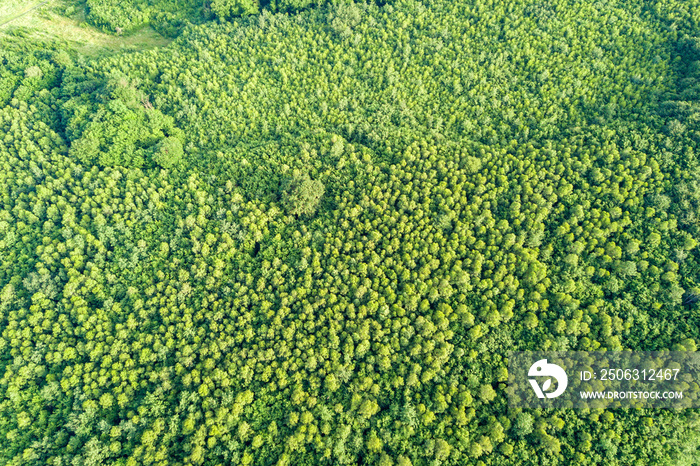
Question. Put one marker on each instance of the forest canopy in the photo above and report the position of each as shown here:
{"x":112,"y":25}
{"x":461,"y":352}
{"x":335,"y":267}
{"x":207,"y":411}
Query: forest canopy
{"x":311,"y":233}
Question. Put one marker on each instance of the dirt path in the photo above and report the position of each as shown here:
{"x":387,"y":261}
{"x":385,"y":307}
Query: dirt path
{"x":24,"y":13}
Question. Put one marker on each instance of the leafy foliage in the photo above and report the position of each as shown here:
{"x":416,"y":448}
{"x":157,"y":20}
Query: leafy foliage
{"x":301,"y":194}
{"x":117,"y":125}
{"x":168,"y":152}
{"x":372,"y":206}
{"x":228,"y":9}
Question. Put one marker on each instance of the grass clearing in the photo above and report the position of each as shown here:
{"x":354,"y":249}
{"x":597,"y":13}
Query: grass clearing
{"x":48,"y":20}
{"x":11,"y":9}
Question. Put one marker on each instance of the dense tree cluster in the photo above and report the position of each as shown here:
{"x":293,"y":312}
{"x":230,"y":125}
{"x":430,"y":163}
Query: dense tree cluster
{"x":169,"y":18}
{"x":314,"y":239}
{"x":117,"y":125}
